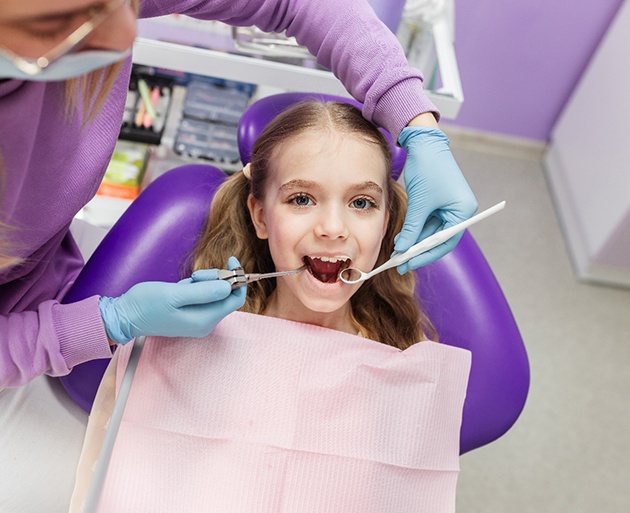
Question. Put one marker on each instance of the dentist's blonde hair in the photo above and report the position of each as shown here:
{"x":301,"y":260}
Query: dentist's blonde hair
{"x":91,"y":90}
{"x":384,"y":308}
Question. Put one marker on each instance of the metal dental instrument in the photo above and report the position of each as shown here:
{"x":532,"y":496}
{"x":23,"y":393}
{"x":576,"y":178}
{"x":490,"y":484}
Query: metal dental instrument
{"x":352,"y":275}
{"x":238,"y":277}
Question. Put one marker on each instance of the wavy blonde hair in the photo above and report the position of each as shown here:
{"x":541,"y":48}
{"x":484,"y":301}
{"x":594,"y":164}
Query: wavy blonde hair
{"x":88,"y":91}
{"x":384,"y":307}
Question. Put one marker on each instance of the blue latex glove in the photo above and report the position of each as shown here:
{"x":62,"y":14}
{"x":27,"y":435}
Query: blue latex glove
{"x":188,"y":308}
{"x":438,"y":194}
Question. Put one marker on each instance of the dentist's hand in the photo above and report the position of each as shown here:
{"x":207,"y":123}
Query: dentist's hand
{"x":188,"y":308}
{"x":438,"y":194}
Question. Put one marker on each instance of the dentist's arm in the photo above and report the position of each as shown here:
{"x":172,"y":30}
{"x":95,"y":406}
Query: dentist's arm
{"x":438,"y":194}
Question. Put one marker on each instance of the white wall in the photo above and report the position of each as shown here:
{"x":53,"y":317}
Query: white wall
{"x":588,"y":162}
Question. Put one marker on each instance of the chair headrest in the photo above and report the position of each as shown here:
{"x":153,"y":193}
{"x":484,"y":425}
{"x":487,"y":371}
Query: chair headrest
{"x":260,"y":114}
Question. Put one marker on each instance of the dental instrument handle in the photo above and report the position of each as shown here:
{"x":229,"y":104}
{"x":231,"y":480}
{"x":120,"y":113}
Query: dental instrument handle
{"x":261,"y":276}
{"x":105,"y":453}
{"x":243,"y":279}
{"x":435,"y":240}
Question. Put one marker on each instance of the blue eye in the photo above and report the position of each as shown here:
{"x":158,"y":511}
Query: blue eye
{"x":363,"y":204}
{"x":301,"y":200}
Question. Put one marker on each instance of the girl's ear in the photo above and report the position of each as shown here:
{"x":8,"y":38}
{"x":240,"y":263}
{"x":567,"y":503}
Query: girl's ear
{"x":258,"y":217}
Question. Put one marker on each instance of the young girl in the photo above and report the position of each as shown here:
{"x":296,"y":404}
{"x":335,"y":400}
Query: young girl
{"x":319,"y":192}
{"x":294,"y":404}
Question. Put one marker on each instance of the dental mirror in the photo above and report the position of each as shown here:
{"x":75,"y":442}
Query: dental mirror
{"x":352,"y":275}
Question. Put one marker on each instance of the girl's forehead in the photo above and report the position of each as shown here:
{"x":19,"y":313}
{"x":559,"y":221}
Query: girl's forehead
{"x":327,"y":145}
{"x":324,"y":161}
{"x":318,"y":135}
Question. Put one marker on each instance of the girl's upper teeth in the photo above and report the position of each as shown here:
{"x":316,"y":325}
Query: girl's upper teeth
{"x":331,"y":259}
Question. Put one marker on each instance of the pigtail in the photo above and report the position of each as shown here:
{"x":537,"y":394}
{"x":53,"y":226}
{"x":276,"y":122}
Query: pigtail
{"x":229,"y":231}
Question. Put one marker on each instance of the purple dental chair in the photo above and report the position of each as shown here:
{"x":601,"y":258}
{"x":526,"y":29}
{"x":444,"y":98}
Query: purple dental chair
{"x":459,"y":292}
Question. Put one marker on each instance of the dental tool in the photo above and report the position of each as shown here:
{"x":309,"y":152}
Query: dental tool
{"x":237,"y":277}
{"x":352,"y":275}
{"x":105,"y":454}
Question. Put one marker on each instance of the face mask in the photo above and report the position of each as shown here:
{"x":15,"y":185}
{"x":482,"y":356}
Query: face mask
{"x":68,"y":66}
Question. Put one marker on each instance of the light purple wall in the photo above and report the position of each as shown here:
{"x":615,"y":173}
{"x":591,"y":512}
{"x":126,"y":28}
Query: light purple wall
{"x":520,"y":60}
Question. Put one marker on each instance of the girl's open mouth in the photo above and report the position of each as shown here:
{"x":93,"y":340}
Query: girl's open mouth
{"x":327,"y":269}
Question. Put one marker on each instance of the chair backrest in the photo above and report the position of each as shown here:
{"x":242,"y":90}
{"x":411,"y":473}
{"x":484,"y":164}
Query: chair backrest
{"x":156,"y":234}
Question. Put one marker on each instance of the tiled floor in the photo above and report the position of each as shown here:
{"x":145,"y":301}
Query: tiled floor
{"x":570,"y":450}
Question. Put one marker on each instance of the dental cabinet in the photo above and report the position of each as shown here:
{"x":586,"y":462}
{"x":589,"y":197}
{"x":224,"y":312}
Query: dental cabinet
{"x":588,"y":162}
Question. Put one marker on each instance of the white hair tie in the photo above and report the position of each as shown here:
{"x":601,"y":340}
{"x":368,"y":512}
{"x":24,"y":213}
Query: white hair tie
{"x":247,"y":171}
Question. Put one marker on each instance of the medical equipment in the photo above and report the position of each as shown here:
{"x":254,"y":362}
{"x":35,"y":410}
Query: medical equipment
{"x":352,"y":275}
{"x":237,"y":277}
{"x":102,"y":464}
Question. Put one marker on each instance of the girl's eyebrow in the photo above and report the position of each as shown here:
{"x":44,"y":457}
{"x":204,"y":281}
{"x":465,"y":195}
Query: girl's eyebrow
{"x":368,"y":185}
{"x":299,"y":184}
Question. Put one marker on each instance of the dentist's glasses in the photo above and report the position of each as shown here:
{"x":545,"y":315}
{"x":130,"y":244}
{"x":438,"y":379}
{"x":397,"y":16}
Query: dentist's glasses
{"x":96,"y":15}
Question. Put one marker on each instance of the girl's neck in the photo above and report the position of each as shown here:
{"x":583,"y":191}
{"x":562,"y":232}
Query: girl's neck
{"x":340,"y":320}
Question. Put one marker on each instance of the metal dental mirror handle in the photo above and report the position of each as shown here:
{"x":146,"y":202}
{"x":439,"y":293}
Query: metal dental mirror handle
{"x":352,"y":275}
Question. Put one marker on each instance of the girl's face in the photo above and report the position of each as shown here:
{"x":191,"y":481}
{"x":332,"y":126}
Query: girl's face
{"x":325,"y":205}
{"x":31,"y":28}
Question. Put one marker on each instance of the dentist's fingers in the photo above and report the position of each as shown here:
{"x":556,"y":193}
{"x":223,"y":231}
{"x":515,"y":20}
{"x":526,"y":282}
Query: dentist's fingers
{"x":205,"y":275}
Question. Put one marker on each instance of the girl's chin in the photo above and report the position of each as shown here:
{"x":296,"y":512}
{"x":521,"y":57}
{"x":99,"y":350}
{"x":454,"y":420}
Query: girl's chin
{"x":315,"y":295}
{"x":321,"y":306}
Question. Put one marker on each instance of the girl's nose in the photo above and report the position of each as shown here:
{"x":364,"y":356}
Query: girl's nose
{"x":116,"y":32}
{"x":332,"y":224}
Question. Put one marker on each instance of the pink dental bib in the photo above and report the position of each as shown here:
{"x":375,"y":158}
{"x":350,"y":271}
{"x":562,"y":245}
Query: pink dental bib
{"x":267,"y":415}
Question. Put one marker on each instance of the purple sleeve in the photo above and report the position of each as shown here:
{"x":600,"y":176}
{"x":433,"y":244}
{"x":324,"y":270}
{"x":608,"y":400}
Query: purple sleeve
{"x":50,"y":341}
{"x":345,"y":35}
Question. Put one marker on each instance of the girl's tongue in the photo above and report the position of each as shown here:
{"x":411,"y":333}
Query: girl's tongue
{"x":324,"y":271}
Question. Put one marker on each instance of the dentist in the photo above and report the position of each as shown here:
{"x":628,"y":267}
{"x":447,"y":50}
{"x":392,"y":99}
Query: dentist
{"x":64,"y":74}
